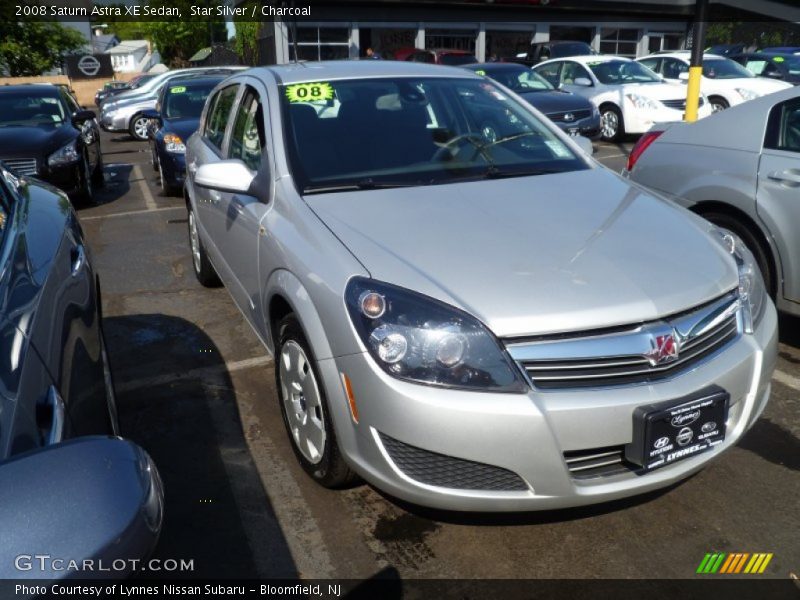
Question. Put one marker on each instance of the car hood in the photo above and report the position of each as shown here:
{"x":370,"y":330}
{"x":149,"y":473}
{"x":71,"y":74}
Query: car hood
{"x":553,"y":101}
{"x":29,"y":142}
{"x":535,"y":255}
{"x":657,"y":91}
{"x":183,"y":128}
{"x":762,"y":85}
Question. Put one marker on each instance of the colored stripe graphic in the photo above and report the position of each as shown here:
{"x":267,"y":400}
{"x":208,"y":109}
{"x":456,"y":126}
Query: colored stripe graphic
{"x":735,"y":562}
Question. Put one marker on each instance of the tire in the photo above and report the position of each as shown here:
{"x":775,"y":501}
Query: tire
{"x":153,"y":158}
{"x":612,"y":127}
{"x":111,"y":394}
{"x":97,"y":174}
{"x":753,"y":243}
{"x":86,"y":193}
{"x":304,"y":408}
{"x":203,"y":269}
{"x":718,"y":104}
{"x":167,"y":189}
{"x":138,"y":127}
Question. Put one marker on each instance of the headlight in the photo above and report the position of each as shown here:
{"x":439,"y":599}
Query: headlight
{"x":419,"y":339}
{"x":63,"y":156}
{"x":752,"y":293}
{"x":174,"y":144}
{"x":747,"y":94}
{"x":642,"y":102}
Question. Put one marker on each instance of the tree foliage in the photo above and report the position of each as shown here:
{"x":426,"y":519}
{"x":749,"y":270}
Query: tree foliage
{"x":754,"y":33}
{"x":246,"y":41}
{"x":33,"y":47}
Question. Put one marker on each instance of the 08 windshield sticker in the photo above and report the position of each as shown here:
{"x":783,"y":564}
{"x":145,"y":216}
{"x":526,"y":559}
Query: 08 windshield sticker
{"x":177,"y":89}
{"x":309,"y":92}
{"x":778,"y":59}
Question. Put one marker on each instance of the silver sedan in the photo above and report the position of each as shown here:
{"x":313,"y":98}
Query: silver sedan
{"x":467,"y":321}
{"x":741,"y":171}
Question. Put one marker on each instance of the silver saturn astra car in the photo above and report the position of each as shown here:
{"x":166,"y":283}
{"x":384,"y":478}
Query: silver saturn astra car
{"x":465,"y":309}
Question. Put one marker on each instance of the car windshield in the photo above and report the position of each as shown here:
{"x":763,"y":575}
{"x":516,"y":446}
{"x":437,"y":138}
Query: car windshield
{"x":362,"y":134}
{"x":28,"y":109}
{"x":616,"y":72}
{"x":185,"y":102}
{"x":724,"y":68}
{"x":519,"y":80}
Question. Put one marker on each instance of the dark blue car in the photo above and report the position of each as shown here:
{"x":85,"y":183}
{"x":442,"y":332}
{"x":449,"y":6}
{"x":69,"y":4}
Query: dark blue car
{"x":574,"y":114}
{"x":178,"y":116}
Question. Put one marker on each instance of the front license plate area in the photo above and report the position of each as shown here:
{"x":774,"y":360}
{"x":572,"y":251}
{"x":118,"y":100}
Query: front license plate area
{"x":667,"y":432}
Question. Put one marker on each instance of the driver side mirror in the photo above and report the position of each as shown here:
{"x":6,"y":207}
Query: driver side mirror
{"x":225,"y":176}
{"x":584,"y":143}
{"x":683,"y":76}
{"x":79,"y":117}
{"x":583,"y":81}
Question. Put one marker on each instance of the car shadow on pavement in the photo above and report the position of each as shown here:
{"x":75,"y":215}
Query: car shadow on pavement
{"x":789,"y":330}
{"x":116,"y":183}
{"x":773,"y":443}
{"x":176,"y":399}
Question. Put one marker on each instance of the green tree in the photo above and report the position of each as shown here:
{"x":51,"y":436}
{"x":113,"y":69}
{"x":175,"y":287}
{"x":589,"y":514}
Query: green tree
{"x":33,"y":47}
{"x":245,"y":43}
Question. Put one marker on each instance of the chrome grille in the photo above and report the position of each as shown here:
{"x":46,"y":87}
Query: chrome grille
{"x":597,"y":462}
{"x":577,"y":115}
{"x":629,"y":355}
{"x":21,"y":166}
{"x":680,"y":103}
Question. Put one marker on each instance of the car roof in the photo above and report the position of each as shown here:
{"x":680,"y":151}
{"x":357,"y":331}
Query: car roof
{"x":354,"y":69}
{"x":198,"y":80}
{"x":587,"y":58}
{"x":768,"y":54}
{"x":684,"y":54}
{"x":496,"y":66}
{"x":42,"y":89}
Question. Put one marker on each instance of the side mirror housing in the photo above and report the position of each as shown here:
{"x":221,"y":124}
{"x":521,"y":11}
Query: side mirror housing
{"x":225,"y":176}
{"x":583,"y":81}
{"x":92,"y":498}
{"x":79,"y":117}
{"x":683,"y":76}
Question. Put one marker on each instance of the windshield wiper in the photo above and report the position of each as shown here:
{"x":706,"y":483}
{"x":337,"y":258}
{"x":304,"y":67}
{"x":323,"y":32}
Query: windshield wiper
{"x":495,"y":173}
{"x":364,"y":184}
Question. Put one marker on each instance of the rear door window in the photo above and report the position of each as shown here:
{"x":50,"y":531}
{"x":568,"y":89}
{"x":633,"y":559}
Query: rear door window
{"x":219,"y":115}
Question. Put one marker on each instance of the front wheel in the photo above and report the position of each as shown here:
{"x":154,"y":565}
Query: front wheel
{"x":304,"y":407}
{"x":203,"y":269}
{"x":718,"y":104}
{"x":611,"y":125}
{"x":138,"y":127}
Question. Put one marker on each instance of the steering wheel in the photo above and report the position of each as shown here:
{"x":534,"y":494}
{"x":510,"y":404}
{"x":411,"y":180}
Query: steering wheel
{"x":446,"y":151}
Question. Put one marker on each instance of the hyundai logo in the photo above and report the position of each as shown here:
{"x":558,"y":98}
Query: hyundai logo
{"x":569,"y":117}
{"x":661,"y":442}
{"x":684,"y":436}
{"x":685,"y":418}
{"x":709,"y":427}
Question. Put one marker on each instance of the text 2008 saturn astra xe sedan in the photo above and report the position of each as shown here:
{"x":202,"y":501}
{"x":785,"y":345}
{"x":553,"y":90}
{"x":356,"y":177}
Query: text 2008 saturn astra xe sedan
{"x":469,"y":321}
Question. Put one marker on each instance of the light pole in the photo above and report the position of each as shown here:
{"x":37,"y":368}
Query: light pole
{"x":696,"y":63}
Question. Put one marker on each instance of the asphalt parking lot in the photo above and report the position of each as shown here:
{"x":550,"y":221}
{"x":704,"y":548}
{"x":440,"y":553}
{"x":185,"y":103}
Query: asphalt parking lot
{"x":196,"y":389}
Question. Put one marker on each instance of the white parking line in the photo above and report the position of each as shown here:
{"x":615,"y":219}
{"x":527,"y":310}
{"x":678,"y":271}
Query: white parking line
{"x":786,"y":379}
{"x":132,"y":212}
{"x":149,"y":202}
{"x":202,"y":372}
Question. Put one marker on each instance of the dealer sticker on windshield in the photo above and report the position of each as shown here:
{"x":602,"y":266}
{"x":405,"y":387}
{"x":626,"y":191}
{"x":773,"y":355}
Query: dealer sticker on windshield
{"x":177,"y":89}
{"x":309,"y":92}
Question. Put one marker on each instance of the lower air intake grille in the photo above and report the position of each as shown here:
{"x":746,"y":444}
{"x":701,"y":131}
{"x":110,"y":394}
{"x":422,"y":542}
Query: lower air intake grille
{"x":680,"y":104}
{"x":445,"y":471}
{"x":21,"y":166}
{"x":597,"y":462}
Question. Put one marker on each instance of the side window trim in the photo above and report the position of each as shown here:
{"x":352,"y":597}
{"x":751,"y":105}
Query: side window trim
{"x":775,"y":122}
{"x":221,"y":151}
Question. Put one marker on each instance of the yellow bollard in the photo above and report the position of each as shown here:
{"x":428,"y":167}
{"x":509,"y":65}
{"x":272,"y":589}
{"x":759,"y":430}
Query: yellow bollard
{"x":693,"y":94}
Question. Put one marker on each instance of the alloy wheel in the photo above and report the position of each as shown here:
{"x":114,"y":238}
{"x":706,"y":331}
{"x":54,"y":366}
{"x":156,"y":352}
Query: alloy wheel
{"x":194,"y":240}
{"x":302,"y":402}
{"x":140,"y":128}
{"x":609,"y":123}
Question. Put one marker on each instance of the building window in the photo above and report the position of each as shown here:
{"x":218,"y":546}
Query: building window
{"x":320,"y":43}
{"x":664,"y":41}
{"x":386,"y":41}
{"x":450,"y":39}
{"x":622,"y":42}
{"x":507,"y":44}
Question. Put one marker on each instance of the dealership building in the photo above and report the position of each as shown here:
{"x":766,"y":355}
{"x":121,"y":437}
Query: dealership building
{"x":495,"y":28}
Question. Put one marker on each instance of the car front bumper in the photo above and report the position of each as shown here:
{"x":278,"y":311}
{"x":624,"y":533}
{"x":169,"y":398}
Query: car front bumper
{"x":640,"y":120}
{"x":526,"y":435}
{"x":173,"y":167}
{"x":115,"y":121}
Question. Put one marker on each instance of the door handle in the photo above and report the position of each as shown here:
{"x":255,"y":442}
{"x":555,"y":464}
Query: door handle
{"x":78,"y":259}
{"x":192,"y":167}
{"x":55,"y":405}
{"x":214,"y":196}
{"x":789,"y":175}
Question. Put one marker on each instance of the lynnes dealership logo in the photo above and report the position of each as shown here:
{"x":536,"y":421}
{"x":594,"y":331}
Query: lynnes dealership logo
{"x":734,"y":563}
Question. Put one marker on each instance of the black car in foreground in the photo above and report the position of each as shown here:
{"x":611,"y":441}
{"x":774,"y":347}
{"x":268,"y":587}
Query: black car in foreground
{"x":44,"y":133}
{"x":573,"y":114}
{"x":61,"y":486}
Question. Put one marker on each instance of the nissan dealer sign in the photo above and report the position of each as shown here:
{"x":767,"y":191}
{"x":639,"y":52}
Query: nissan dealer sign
{"x":88,"y":66}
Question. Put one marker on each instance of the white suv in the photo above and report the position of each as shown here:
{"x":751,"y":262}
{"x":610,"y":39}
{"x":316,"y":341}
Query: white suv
{"x":724,"y":81}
